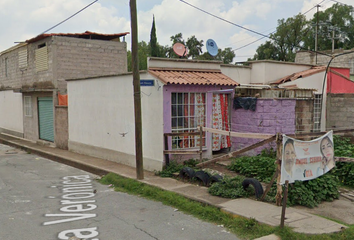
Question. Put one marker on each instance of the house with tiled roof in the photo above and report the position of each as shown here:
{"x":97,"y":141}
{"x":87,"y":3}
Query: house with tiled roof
{"x":177,"y":96}
{"x":32,"y":80}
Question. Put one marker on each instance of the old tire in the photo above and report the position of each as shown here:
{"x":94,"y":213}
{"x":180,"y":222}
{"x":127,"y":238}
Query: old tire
{"x":187,"y":172}
{"x":215,"y":178}
{"x":203,"y":177}
{"x":256,"y":185}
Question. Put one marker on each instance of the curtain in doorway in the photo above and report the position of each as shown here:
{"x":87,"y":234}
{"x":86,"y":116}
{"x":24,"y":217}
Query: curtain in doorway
{"x":220,"y":121}
{"x":199,"y":116}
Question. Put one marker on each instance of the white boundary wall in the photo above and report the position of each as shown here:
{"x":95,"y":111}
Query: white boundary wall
{"x":101,"y":119}
{"x":11,"y":113}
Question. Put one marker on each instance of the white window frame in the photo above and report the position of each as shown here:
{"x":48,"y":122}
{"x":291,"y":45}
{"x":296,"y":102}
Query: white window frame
{"x":27,"y":105}
{"x":179,"y":120}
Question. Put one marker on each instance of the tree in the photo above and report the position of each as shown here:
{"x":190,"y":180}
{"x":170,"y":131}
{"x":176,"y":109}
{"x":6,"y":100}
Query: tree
{"x":194,"y":47}
{"x":226,"y":55}
{"x":143,"y":53}
{"x":155,"y":51}
{"x":337,"y":19}
{"x":266,"y":51}
{"x":287,"y":39}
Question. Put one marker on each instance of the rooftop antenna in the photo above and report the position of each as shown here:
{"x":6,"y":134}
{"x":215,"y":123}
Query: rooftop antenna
{"x":212,"y":48}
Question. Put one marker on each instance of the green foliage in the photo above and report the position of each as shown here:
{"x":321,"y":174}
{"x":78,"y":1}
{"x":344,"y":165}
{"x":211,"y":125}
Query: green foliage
{"x":342,"y":146}
{"x":307,"y":193}
{"x":194,"y":46}
{"x":311,"y":193}
{"x":229,"y":188}
{"x":261,"y":167}
{"x":170,"y":169}
{"x":155,"y":51}
{"x":175,"y":167}
{"x":242,"y":227}
{"x":344,"y":170}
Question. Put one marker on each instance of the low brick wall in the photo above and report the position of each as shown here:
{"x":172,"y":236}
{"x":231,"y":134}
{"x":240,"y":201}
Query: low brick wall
{"x":340,"y":111}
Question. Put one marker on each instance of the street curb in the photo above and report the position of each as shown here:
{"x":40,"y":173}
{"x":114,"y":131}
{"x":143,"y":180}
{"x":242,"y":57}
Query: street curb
{"x":56,"y":158}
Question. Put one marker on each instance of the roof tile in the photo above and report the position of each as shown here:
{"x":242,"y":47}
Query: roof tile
{"x":192,"y":77}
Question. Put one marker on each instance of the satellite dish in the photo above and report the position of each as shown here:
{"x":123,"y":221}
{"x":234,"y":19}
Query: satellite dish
{"x":212,"y":48}
{"x":180,"y":49}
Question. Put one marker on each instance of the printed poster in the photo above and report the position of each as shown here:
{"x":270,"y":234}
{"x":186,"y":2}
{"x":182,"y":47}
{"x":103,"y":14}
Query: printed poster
{"x":306,"y":160}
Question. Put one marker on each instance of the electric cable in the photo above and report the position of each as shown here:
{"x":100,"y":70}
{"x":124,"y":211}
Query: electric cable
{"x":69,"y":17}
{"x":247,"y":29}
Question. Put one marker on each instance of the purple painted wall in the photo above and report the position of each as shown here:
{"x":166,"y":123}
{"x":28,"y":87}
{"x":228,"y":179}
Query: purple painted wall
{"x":271,"y":116}
{"x":209,"y":90}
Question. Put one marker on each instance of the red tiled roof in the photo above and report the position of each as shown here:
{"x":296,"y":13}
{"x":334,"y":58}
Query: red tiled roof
{"x":301,"y":74}
{"x":87,"y":35}
{"x":192,"y":76}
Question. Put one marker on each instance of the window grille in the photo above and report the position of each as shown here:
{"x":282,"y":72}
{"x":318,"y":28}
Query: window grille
{"x":28,"y":106}
{"x":187,"y":113}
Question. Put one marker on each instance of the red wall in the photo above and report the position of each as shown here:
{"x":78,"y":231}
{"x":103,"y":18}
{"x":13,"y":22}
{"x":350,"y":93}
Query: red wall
{"x":337,"y":83}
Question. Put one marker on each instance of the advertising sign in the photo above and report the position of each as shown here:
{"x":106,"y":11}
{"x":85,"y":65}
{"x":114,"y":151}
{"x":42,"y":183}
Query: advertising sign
{"x":306,"y":160}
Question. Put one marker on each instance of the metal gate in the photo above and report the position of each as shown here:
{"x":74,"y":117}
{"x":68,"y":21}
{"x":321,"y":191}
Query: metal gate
{"x":45,"y":118}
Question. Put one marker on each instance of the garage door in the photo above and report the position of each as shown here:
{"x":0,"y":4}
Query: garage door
{"x":45,"y":118}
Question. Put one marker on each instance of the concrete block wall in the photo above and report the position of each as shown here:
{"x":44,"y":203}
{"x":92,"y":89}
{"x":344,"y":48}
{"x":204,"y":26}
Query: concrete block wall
{"x":346,"y":60}
{"x":61,"y":127}
{"x":304,"y":115}
{"x":271,"y":116}
{"x":68,"y":58}
{"x":340,"y":111}
{"x":80,"y":58}
{"x":17,"y":77}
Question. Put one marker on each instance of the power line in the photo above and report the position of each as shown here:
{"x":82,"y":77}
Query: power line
{"x":222,"y":19}
{"x":275,"y":30}
{"x":69,"y":17}
{"x":340,"y":3}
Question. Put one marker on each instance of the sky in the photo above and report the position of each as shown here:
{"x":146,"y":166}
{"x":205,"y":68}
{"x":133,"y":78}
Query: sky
{"x":24,"y":19}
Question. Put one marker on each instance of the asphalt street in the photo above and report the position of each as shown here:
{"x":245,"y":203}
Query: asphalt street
{"x":43,"y":200}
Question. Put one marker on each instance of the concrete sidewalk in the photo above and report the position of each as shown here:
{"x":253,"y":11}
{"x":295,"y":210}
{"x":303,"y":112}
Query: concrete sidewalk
{"x":265,"y":213}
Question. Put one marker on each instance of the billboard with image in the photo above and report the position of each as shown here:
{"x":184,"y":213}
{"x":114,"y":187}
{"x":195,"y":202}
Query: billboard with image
{"x":306,"y":160}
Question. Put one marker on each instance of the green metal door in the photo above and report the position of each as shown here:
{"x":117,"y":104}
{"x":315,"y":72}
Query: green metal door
{"x":45,"y":118}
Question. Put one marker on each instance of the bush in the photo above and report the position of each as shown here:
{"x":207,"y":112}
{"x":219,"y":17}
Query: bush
{"x":344,"y":170}
{"x":260,"y":167}
{"x":175,"y":167}
{"x":311,"y":193}
{"x":170,"y":169}
{"x":229,"y":188}
{"x":307,"y":193}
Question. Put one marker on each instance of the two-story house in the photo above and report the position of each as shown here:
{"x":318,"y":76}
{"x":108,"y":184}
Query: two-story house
{"x":33,"y":73}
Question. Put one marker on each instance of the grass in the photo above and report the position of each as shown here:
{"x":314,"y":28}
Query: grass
{"x":244,"y":228}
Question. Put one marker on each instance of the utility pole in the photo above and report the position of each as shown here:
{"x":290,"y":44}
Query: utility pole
{"x":316,"y":37}
{"x":137,"y":93}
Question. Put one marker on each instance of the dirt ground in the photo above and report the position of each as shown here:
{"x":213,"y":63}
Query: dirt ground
{"x":341,"y":209}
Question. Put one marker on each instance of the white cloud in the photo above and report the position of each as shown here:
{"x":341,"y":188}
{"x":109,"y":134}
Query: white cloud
{"x":24,"y":19}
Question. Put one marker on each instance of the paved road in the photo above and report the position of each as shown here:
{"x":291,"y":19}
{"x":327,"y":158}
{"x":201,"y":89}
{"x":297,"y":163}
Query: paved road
{"x":43,"y":200}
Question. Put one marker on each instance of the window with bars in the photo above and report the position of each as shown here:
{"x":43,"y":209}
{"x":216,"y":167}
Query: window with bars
{"x":317,"y":113}
{"x":28,"y":106}
{"x":187,"y":113}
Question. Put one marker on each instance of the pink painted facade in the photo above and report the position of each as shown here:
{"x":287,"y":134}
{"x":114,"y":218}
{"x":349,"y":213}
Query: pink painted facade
{"x":339,"y":83}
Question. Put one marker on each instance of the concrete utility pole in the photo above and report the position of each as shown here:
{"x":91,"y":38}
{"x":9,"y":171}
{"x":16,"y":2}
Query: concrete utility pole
{"x":316,"y":37}
{"x":137,"y":93}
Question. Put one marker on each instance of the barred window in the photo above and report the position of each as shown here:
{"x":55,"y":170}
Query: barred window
{"x":188,"y":112}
